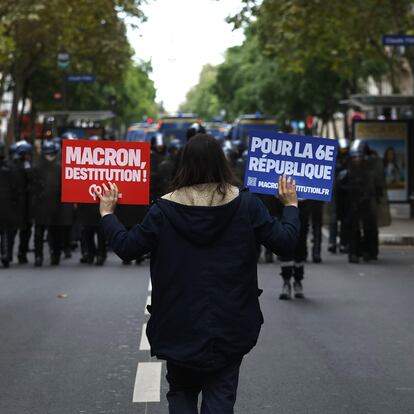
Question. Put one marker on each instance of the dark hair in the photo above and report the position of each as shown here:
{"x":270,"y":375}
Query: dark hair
{"x":202,"y":161}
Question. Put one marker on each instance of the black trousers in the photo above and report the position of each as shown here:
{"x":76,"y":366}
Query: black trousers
{"x":301,"y":251}
{"x":218,"y":389}
{"x":4,"y":245}
{"x":364,"y":230}
{"x":54,"y":239}
{"x":90,"y":249}
{"x":24,"y":238}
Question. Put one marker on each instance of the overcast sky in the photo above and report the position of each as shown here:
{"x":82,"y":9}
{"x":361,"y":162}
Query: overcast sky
{"x":180,"y":37}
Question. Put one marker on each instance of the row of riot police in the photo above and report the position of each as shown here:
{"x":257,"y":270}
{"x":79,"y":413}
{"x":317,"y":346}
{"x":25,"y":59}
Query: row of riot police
{"x":360,"y":204}
{"x":31,"y":205}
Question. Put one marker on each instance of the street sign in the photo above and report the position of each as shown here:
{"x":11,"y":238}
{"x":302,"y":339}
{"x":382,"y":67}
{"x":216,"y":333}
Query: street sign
{"x":81,"y":77}
{"x":86,"y":165}
{"x":63,"y":59}
{"x":398,"y":40}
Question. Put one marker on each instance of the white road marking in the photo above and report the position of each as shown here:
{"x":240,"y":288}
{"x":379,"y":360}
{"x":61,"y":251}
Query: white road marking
{"x":147,"y":382}
{"x":148,"y":303}
{"x":144,"y":344}
{"x":150,"y":286}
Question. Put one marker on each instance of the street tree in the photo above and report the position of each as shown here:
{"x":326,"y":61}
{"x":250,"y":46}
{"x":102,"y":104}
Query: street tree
{"x":92,"y":32}
{"x":202,"y":99}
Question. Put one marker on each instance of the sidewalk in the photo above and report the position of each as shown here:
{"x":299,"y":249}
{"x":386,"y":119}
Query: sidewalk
{"x":401,"y":232}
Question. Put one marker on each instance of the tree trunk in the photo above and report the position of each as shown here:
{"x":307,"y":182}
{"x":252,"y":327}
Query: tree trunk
{"x":322,"y":127}
{"x":17,"y":94}
{"x":32,"y":123}
{"x":335,"y":129}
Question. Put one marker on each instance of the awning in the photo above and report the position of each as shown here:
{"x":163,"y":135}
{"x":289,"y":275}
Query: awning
{"x":73,"y":116}
{"x":366,"y":102}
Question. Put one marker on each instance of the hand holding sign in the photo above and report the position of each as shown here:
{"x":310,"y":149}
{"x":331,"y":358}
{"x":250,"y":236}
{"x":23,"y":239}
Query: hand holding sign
{"x":86,"y":163}
{"x":108,"y":199}
{"x":310,"y":161}
{"x":287,"y":191}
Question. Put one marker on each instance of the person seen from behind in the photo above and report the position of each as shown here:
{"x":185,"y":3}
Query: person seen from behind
{"x":205,"y":312}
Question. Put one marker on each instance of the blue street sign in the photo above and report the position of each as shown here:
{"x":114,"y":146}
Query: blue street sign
{"x":398,"y":40}
{"x":84,"y":77}
{"x":310,"y":161}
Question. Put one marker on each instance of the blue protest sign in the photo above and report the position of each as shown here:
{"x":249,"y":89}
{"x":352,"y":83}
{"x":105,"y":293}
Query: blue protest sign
{"x":308,"y":160}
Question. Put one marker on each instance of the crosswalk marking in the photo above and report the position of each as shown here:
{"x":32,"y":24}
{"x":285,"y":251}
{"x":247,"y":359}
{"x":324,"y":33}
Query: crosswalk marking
{"x":147,"y":382}
{"x":144,"y":344}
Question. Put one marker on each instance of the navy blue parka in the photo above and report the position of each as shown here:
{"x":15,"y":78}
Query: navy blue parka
{"x":205,"y":311}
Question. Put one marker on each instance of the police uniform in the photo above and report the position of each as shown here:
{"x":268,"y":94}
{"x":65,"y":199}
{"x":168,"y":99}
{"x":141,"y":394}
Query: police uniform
{"x":365,"y":185}
{"x":93,"y":244}
{"x":7,"y":207}
{"x":47,"y":210}
{"x":21,"y":163}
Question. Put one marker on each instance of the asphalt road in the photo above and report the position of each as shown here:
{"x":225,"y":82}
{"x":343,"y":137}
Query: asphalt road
{"x":347,"y":348}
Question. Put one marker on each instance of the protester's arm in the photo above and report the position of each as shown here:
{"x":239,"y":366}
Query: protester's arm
{"x":139,"y":240}
{"x":280,"y":236}
{"x":136,"y":242}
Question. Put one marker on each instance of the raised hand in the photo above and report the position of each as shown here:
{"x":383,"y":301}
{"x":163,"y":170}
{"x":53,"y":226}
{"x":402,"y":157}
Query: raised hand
{"x":287,"y":191}
{"x":108,"y":199}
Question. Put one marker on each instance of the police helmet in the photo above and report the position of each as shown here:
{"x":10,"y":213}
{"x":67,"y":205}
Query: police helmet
{"x":58,"y":142}
{"x":174,"y":145}
{"x":69,"y":135}
{"x":357,"y":149}
{"x":23,"y":147}
{"x":343,"y":143}
{"x":50,"y":148}
{"x":196,"y":128}
{"x":94,"y":138}
{"x":12,"y":151}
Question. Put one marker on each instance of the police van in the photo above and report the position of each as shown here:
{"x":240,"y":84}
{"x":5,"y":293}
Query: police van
{"x":244,"y":124}
{"x":174,"y":127}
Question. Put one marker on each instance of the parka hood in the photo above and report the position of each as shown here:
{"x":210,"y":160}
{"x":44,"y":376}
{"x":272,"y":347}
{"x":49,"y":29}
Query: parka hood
{"x":200,"y":213}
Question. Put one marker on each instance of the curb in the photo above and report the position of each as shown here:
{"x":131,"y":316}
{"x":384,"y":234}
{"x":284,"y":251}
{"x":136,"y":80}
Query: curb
{"x":396,"y":240}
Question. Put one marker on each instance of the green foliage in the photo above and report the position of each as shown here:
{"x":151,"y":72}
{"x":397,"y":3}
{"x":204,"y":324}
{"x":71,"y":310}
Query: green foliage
{"x":33,"y":32}
{"x":302,"y":57}
{"x":342,"y":36}
{"x":201,"y":99}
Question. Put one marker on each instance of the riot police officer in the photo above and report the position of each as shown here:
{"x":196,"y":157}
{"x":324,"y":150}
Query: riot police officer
{"x":237,"y":164}
{"x":339,"y":205}
{"x":7,"y":206}
{"x":166,"y":167}
{"x":46,"y":203}
{"x":194,"y":129}
{"x":129,"y":216}
{"x":315,"y":215}
{"x":365,"y":186}
{"x":20,"y":155}
{"x":93,"y":245}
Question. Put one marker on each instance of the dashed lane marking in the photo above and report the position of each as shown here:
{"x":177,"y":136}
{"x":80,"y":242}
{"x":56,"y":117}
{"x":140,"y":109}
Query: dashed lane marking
{"x":144,"y":344}
{"x":147,"y":382}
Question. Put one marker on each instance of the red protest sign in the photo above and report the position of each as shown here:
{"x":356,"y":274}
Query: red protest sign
{"x":86,"y":165}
